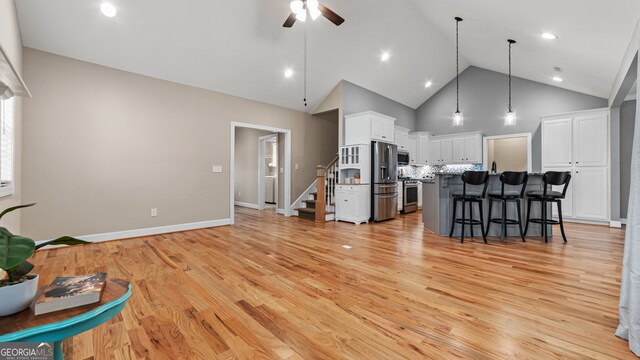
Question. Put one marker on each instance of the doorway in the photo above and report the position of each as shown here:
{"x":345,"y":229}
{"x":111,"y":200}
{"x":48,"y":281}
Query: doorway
{"x":268,"y":171}
{"x":249,"y":152}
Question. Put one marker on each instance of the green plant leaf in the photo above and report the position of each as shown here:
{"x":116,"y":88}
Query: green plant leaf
{"x":20,"y":270}
{"x":14,"y":250}
{"x":5,"y":232}
{"x":14,"y":208}
{"x":65,"y":240}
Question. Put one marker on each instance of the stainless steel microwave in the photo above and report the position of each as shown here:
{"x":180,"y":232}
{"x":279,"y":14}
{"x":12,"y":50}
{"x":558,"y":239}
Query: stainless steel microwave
{"x":403,"y":158}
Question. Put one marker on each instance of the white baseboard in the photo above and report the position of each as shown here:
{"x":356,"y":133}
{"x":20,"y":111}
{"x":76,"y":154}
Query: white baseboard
{"x":615,"y":224}
{"x":623,"y":221}
{"x":247,"y":205}
{"x":150,"y":231}
{"x":280,"y":211}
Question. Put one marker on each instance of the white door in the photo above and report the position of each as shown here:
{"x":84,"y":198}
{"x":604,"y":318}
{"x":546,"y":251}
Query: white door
{"x":472,"y":149}
{"x":591,"y":140}
{"x":424,"y":152}
{"x":377,"y":129}
{"x":556,"y":143}
{"x":567,"y":203}
{"x":434,"y":153}
{"x":389,"y":131}
{"x":590,"y":191}
{"x":352,"y":202}
{"x":446,"y":151}
{"x":457,"y":149}
{"x":412,"y":146}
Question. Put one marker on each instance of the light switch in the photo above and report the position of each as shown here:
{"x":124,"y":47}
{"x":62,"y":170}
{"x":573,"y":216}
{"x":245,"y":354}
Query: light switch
{"x":281,"y":170}
{"x":217,"y":168}
{"x":297,"y":166}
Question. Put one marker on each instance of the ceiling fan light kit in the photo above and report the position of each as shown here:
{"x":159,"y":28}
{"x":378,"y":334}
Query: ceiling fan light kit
{"x":300,"y":8}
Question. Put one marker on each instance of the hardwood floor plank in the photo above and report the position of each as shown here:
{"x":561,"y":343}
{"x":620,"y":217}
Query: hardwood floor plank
{"x":272,"y":287}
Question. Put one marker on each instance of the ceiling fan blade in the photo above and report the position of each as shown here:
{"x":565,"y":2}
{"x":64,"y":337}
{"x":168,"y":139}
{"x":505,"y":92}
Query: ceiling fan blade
{"x":290,"y":21}
{"x":330,"y":15}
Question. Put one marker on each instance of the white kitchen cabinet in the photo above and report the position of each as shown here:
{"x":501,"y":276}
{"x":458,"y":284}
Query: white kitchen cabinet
{"x":353,"y":203}
{"x":446,"y":151}
{"x":402,"y":138}
{"x":473,"y":149}
{"x":364,"y":127}
{"x":434,"y":155}
{"x":400,"y":196}
{"x":579,"y":142}
{"x":590,"y":193}
{"x":419,"y":195}
{"x":556,"y":146}
{"x":457,"y":146}
{"x":413,"y":149}
{"x":422,"y":147}
{"x":590,"y":147}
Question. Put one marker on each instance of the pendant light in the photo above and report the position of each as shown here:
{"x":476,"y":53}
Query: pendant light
{"x":305,"y":66}
{"x":458,"y":118}
{"x":510,"y":117}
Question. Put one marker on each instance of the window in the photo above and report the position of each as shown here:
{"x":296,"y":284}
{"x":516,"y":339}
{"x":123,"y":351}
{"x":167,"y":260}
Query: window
{"x":6,"y":147}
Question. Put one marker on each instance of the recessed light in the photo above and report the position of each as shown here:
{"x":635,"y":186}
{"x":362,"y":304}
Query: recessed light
{"x":108,"y":10}
{"x":385,"y":56}
{"x":557,"y":79}
{"x":549,"y":36}
{"x":288,"y":73}
{"x":428,"y":84}
{"x":346,"y":246}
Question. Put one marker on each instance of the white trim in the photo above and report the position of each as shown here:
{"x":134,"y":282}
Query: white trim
{"x":573,"y":113}
{"x":304,"y":196}
{"x":615,"y":224}
{"x":126,"y":234}
{"x":247,"y":205}
{"x":485,"y":148}
{"x":287,"y":163}
{"x":623,"y":221}
{"x":280,"y":211}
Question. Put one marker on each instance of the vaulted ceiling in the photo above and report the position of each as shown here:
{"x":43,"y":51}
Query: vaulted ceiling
{"x":239,"y":47}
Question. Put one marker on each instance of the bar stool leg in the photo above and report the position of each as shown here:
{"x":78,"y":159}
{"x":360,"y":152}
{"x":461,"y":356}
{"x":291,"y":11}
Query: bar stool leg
{"x":526,"y":228}
{"x":544,"y":221}
{"x":453,"y":217}
{"x":489,"y":219}
{"x":503,"y":226}
{"x":471,"y":217}
{"x":518,"y":204}
{"x":564,"y":237}
{"x":484,"y":236}
{"x":463,"y":220}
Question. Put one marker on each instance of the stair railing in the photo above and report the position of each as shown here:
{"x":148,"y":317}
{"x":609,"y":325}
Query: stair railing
{"x":327,"y":180}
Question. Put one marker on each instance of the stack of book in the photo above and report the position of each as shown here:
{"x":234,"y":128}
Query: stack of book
{"x":69,"y":292}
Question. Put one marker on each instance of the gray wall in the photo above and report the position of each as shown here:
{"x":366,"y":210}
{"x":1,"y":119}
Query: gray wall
{"x":102,"y":147}
{"x":483,"y":100}
{"x":627,"y":126}
{"x":358,"y":99}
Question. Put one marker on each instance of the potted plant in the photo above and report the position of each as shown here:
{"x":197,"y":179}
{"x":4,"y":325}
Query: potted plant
{"x":18,"y":288}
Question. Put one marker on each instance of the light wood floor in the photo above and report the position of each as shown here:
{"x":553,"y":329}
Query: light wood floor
{"x":284,"y":288}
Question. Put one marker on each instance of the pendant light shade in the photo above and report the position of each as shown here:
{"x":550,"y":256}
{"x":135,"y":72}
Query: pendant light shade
{"x":458,"y":118}
{"x":510,"y":118}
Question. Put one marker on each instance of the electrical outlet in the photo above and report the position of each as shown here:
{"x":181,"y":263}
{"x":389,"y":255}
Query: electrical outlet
{"x":217,"y":168}
{"x":154,"y":212}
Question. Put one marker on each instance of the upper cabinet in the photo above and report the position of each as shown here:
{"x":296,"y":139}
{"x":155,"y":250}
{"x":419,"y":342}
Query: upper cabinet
{"x":402,"y":138}
{"x":455,"y":149}
{"x":362,"y":128}
{"x":413,"y":149}
{"x":556,"y":146}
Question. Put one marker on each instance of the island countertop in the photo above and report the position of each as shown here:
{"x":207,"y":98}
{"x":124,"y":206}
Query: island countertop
{"x":437,"y":204}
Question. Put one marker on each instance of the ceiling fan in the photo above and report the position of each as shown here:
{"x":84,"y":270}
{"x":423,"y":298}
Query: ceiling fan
{"x":299,"y":9}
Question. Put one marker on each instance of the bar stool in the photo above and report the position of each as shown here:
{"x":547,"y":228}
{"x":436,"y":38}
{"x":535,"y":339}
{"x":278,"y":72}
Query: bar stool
{"x":513,"y":178}
{"x":550,"y":178}
{"x":475,"y":178}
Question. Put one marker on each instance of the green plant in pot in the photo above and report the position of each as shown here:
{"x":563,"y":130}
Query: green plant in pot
{"x":18,"y":288}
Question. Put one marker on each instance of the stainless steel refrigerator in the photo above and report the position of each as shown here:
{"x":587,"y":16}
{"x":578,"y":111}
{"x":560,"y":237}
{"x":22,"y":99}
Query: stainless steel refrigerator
{"x":384,"y":182}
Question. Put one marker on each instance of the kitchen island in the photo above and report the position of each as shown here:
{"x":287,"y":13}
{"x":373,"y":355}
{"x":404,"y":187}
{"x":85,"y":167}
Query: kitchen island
{"x":437,"y":205}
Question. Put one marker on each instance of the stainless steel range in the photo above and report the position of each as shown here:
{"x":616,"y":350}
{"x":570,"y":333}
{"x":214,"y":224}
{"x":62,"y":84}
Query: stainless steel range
{"x":409,"y":196}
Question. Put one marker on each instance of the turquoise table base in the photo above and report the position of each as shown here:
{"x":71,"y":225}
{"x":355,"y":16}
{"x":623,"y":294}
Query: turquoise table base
{"x":56,"y":332}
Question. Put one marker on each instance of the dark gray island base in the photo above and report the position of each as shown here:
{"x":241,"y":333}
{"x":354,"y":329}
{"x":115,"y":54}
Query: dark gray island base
{"x":437,"y":206}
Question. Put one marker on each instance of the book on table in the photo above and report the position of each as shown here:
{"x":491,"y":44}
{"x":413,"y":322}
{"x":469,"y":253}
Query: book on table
{"x":69,"y":292}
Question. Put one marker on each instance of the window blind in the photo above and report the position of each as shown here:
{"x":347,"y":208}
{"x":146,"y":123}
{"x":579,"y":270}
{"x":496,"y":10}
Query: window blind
{"x":6,"y":143}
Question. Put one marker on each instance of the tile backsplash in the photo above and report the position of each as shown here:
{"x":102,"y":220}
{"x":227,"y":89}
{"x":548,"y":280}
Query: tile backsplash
{"x":429,"y":171}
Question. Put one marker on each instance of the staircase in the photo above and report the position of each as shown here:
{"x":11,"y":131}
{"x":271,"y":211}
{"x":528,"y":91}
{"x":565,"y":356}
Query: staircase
{"x":320,"y":205}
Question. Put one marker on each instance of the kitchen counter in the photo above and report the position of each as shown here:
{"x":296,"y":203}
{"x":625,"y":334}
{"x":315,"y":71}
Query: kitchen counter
{"x":437,"y":205}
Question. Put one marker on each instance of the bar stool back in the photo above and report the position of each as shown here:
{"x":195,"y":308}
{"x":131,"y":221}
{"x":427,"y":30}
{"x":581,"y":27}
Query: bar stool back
{"x":545,"y":196}
{"x":512,"y":178}
{"x":474,"y":178}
